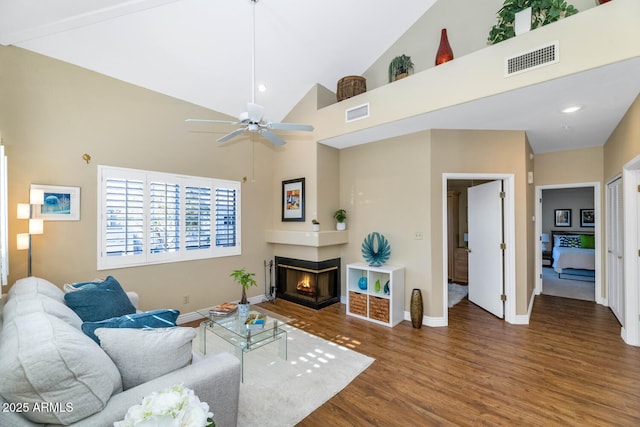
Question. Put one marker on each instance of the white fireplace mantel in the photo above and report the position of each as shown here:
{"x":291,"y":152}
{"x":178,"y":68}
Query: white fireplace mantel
{"x":315,"y":239}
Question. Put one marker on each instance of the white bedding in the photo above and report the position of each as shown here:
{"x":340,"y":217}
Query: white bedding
{"x":578,"y":258}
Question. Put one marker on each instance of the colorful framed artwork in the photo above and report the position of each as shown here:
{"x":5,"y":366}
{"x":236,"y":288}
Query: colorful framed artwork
{"x":562,"y":218}
{"x":60,"y":203}
{"x":293,"y":200}
{"x":587,"y":218}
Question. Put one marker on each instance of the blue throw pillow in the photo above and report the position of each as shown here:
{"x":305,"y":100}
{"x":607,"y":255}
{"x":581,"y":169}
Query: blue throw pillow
{"x":162,"y":318}
{"x":101,"y":300}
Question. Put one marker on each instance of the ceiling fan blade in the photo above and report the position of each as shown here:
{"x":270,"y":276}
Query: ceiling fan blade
{"x":275,"y":139}
{"x":255,"y":112}
{"x":211,"y":121}
{"x":289,"y":126}
{"x":231,"y":135}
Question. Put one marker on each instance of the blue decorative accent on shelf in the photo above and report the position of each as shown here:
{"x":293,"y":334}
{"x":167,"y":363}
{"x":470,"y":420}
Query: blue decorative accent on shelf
{"x":362,"y":283}
{"x":387,"y":290}
{"x":375,"y":258}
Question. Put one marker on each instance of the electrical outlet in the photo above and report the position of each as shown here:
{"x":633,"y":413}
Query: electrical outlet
{"x":418,"y":235}
{"x":185,"y":299}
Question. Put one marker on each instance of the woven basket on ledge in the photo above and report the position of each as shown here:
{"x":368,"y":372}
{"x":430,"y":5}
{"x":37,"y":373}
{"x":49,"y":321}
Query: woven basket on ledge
{"x":350,"y":86}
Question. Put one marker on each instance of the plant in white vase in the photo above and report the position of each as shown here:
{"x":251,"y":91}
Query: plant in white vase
{"x":340,"y":215}
{"x":315,"y":225}
{"x":245,"y":280}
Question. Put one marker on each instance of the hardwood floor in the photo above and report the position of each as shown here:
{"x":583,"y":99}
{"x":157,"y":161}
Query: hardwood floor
{"x":568,"y":367}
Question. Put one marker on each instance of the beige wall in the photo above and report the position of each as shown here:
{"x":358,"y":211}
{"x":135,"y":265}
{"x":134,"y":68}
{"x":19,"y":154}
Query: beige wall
{"x":395,"y":187}
{"x":624,"y":143}
{"x":569,"y":167}
{"x":51,"y":113}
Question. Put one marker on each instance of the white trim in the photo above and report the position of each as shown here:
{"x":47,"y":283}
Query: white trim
{"x":509,"y":239}
{"x":630,"y":180}
{"x":597,"y":206}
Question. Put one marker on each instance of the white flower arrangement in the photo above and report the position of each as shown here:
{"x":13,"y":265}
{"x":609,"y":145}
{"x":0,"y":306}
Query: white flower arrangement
{"x":177,"y":406}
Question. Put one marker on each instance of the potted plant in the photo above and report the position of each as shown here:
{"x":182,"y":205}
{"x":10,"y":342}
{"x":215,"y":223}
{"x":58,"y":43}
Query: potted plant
{"x":245,"y":280}
{"x":543,"y":12}
{"x":400,"y":67}
{"x":340,"y":215}
{"x":315,"y":225}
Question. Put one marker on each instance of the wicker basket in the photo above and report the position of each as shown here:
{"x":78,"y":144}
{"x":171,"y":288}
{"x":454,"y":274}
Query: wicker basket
{"x":357,"y":303}
{"x":379,"y":308}
{"x":350,"y":86}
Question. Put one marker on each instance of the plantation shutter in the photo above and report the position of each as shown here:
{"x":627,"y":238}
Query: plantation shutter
{"x":124,"y":211}
{"x":164,"y":217}
{"x":198,"y":217}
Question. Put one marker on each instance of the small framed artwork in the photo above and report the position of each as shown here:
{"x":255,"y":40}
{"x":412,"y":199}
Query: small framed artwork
{"x":60,"y":203}
{"x":293,"y":200}
{"x":562,"y":218}
{"x":587,"y":218}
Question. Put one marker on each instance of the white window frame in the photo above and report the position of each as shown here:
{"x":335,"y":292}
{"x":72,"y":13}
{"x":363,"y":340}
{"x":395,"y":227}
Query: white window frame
{"x":146,"y":256}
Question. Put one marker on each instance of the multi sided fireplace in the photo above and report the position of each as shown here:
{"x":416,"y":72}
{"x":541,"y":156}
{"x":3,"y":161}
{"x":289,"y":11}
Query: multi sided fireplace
{"x":310,"y":283}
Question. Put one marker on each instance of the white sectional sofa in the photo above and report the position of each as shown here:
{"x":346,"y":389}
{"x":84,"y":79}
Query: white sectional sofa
{"x":52,"y":373}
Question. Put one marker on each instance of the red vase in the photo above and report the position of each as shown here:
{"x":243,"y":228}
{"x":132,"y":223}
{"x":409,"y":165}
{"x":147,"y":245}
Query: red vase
{"x":444,"y":53}
{"x":603,"y":1}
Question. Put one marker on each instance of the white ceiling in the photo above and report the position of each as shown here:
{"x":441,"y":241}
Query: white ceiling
{"x":175,"y":47}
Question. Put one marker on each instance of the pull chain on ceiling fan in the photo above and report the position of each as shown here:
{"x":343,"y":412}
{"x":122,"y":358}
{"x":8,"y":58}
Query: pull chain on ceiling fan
{"x":252,"y":119}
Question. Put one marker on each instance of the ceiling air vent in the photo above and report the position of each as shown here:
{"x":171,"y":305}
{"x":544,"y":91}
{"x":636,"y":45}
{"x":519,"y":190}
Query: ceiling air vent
{"x":357,"y":113}
{"x":532,"y":59}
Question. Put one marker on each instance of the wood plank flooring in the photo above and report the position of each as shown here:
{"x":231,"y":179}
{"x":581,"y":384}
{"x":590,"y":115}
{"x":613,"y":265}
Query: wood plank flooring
{"x":568,"y":367}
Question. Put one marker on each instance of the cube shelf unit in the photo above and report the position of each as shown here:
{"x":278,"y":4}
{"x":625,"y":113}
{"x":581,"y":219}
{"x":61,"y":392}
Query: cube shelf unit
{"x":369,"y":304}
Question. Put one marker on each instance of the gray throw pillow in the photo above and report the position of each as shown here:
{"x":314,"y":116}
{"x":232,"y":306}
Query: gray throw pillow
{"x":144,"y":354}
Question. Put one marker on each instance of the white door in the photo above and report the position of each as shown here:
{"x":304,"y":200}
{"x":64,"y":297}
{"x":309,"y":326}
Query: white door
{"x":615,"y":248}
{"x":486,"y":271}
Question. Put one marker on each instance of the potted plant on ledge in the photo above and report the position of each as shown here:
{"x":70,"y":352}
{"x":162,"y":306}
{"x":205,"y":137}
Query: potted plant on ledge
{"x":340,"y":215}
{"x":315,"y":225}
{"x":246,"y":280}
{"x":400,"y":67}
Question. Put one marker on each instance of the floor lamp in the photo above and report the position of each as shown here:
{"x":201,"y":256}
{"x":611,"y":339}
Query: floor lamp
{"x":36,"y":226}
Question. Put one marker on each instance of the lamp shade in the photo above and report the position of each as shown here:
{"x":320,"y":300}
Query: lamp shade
{"x":24,"y":211}
{"x":22,"y":241}
{"x":36,"y":197}
{"x":36,"y":226}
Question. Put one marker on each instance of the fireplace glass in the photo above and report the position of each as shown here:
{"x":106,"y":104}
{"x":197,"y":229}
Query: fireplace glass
{"x":310,"y":283}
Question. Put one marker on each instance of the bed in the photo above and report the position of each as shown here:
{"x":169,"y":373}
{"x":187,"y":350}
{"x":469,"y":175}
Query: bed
{"x":573,"y":252}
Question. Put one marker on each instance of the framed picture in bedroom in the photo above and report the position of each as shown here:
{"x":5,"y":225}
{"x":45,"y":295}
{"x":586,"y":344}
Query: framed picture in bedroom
{"x":587,"y":218}
{"x":562,"y":218}
{"x":293,"y":200}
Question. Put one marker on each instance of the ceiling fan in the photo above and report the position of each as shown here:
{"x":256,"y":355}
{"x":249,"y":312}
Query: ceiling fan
{"x":252,"y":120}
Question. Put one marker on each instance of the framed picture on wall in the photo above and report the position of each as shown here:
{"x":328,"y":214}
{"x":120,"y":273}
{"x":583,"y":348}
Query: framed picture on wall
{"x":293,"y":200}
{"x":60,"y":203}
{"x":562,"y":218}
{"x":587,"y":218}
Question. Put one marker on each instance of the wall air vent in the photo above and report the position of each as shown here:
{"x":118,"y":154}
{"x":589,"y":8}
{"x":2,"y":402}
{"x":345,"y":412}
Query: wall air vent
{"x":532,"y":59}
{"x":357,"y":113}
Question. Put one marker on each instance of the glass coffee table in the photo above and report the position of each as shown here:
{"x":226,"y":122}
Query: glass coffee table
{"x":233,"y":330}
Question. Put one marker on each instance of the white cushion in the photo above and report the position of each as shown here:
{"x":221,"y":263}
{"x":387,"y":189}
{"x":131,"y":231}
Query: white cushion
{"x":44,"y":359}
{"x":32,"y":303}
{"x":36,"y":285}
{"x":144,"y":354}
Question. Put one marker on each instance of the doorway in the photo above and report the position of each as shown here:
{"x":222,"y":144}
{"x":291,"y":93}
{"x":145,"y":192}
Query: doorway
{"x":509,"y":270}
{"x":576,"y":201}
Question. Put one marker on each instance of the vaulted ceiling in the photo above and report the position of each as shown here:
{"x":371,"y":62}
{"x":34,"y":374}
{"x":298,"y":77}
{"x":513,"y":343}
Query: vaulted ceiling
{"x":200,"y":51}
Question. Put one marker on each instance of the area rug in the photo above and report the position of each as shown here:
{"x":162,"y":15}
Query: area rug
{"x":278,"y":392}
{"x":457,"y":293}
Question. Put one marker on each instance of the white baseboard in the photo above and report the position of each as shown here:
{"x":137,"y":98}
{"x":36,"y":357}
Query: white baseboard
{"x":434,"y":322}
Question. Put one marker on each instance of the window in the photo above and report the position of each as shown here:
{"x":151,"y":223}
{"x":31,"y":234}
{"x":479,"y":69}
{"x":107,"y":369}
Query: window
{"x":152,"y":217}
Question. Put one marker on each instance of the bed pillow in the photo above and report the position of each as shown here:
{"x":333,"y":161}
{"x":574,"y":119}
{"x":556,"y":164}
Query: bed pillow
{"x":162,"y":318}
{"x":569,"y":241}
{"x":144,"y":354}
{"x":587,"y":241}
{"x":103,"y":301}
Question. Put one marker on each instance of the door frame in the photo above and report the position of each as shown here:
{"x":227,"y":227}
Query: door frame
{"x":509,"y":239}
{"x":597,"y":206}
{"x":630,"y":332}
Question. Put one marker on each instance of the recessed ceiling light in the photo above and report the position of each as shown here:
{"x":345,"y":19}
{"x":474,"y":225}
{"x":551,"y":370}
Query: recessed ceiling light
{"x":572,"y":109}
{"x":262,"y":88}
